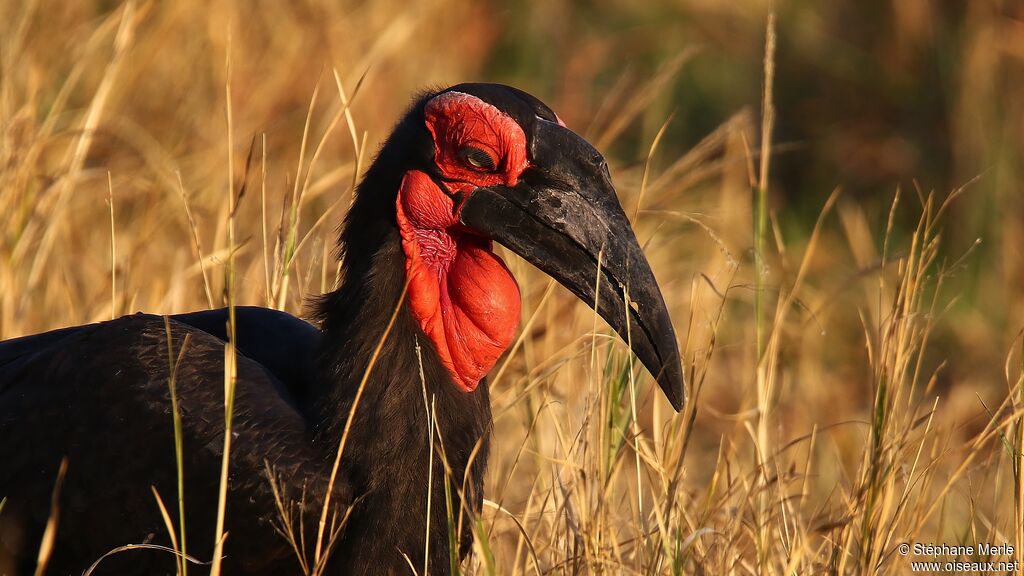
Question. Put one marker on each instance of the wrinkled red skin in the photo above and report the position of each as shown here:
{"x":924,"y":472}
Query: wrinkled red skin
{"x":464,"y":298}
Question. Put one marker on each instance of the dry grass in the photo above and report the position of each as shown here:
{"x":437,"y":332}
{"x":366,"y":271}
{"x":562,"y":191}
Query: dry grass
{"x":857,"y":388}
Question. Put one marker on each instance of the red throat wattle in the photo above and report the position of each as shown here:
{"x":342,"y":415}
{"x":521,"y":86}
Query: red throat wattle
{"x":460,"y":292}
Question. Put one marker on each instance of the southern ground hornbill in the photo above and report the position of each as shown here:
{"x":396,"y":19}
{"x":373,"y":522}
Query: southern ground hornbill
{"x":466,"y":165}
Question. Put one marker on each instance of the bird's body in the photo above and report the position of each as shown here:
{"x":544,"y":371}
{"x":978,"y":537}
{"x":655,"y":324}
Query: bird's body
{"x":123,"y":428}
{"x":113,"y":421}
{"x":416,"y":245}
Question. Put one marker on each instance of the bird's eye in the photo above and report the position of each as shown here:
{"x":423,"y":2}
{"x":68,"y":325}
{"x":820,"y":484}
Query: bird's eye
{"x":477,"y":158}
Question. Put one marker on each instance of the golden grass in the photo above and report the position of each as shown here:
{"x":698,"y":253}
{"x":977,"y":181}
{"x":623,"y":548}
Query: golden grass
{"x":848,"y":390}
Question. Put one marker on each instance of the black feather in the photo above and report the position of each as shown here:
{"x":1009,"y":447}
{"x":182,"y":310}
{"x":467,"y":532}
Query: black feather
{"x":98,"y":395}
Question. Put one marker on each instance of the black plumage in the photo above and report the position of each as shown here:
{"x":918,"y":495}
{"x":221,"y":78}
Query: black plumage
{"x":98,"y":395}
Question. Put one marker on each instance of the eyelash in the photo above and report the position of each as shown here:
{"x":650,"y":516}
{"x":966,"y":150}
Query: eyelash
{"x":477,"y":159}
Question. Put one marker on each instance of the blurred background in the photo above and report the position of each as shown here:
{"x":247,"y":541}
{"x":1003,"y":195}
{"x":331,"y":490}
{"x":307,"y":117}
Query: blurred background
{"x":114,"y":124}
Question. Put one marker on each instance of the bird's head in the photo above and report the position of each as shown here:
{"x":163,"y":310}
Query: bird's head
{"x":490,"y":162}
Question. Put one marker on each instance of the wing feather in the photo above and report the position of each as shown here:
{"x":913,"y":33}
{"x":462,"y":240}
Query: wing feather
{"x":99,"y":395}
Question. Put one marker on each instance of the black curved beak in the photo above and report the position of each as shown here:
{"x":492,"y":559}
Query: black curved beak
{"x":563,"y":217}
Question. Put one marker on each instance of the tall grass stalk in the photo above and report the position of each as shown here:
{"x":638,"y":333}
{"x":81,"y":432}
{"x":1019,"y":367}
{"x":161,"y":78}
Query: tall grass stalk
{"x":113,"y":248}
{"x":173,"y":362}
{"x":1017,"y":462}
{"x":230,"y":353}
{"x":49,"y":538}
{"x":194,"y":229}
{"x":292,"y":230}
{"x":761,"y":193}
{"x":179,"y":559}
{"x":760,"y":286}
{"x":429,"y":407}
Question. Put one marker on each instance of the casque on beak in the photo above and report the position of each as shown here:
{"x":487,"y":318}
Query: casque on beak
{"x":564,"y":217}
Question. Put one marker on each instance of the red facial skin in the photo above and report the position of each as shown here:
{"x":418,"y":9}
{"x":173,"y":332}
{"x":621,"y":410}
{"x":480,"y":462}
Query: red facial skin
{"x":460,"y":292}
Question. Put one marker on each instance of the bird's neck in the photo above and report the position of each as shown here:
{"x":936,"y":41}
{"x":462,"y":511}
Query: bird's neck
{"x":371,"y":328}
{"x":411,"y":428}
{"x":372,"y":341}
{"x":371,"y":337}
